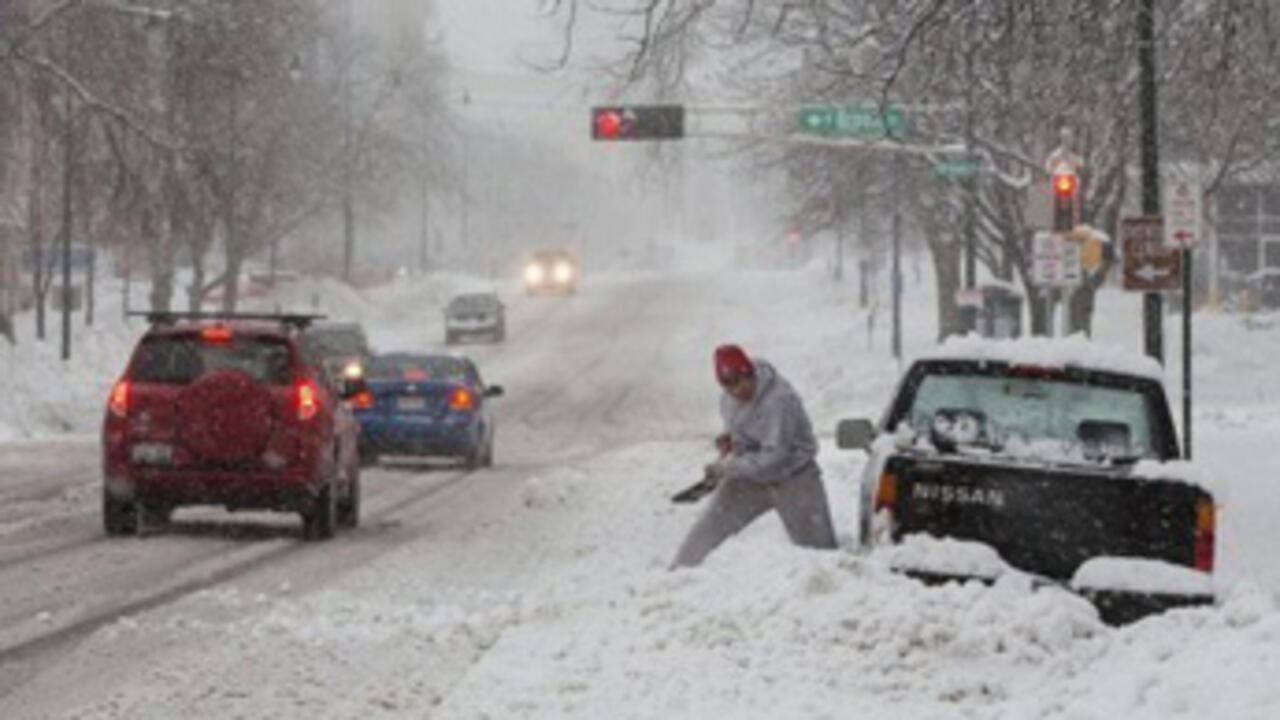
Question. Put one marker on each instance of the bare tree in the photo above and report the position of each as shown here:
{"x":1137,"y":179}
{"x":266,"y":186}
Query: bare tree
{"x":999,"y":80}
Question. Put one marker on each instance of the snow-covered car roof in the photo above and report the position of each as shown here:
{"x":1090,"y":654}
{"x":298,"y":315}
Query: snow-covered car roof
{"x":1074,"y":351}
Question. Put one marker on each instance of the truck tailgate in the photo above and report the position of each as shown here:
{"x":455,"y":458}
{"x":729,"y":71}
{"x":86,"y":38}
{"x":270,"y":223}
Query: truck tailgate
{"x":1046,"y":520}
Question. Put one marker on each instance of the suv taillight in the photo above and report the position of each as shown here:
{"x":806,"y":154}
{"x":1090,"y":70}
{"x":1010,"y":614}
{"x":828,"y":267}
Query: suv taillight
{"x":461,"y":399}
{"x":118,"y":403}
{"x":305,"y":399}
{"x":1206,"y":523}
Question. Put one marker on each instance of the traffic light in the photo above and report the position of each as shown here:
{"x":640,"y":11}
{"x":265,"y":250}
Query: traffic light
{"x":1065,"y":193}
{"x":637,"y":122}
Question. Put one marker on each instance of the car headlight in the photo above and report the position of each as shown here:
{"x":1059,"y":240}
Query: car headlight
{"x":564,"y":272}
{"x":533,"y":274}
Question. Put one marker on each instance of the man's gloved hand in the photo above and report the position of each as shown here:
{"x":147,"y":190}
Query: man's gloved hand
{"x":715,"y":471}
{"x":724,"y":444}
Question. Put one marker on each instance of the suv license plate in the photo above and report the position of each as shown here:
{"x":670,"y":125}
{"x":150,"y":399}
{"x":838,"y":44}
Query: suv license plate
{"x":412,"y":403}
{"x":153,"y":453}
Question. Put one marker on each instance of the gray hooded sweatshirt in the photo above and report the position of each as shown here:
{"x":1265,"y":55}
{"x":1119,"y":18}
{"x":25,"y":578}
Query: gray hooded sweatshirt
{"x":771,"y":467}
{"x":771,"y":436}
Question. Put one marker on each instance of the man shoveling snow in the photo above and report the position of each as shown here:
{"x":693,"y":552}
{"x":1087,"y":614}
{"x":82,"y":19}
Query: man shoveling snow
{"x":767,"y":462}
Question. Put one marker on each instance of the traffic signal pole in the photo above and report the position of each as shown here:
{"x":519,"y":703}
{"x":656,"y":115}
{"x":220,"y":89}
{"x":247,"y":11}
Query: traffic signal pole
{"x":1152,"y":305}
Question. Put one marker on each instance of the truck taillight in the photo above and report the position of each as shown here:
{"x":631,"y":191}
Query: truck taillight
{"x":1206,"y":524}
{"x":886,"y":493}
{"x":118,"y":404}
{"x":305,"y":398}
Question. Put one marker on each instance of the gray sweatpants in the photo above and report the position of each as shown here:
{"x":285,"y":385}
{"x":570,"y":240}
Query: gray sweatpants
{"x":801,"y":502}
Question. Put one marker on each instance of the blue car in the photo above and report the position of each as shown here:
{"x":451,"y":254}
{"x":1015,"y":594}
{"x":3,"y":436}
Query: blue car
{"x":425,"y":405}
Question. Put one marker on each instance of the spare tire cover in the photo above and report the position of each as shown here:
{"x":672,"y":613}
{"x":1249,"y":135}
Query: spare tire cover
{"x":225,"y":416}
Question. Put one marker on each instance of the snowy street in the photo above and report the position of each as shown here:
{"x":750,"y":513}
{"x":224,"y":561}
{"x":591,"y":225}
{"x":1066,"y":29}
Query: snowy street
{"x":539,"y":588}
{"x":596,"y":359}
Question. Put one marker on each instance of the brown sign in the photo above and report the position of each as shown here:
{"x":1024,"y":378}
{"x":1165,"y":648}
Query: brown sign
{"x":1148,"y":264}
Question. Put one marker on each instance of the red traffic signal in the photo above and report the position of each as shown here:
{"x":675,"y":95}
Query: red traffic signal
{"x":1065,"y":183}
{"x":637,"y":122}
{"x":609,"y":123}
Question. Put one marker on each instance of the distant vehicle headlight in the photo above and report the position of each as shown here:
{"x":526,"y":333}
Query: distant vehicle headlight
{"x":534,"y":274}
{"x":564,"y":272}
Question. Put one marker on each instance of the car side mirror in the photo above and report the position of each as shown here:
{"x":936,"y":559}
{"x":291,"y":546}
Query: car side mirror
{"x":493,"y":391}
{"x":855,"y":434}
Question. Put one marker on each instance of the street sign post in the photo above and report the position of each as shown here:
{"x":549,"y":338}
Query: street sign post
{"x":1182,"y":212}
{"x":860,"y":121}
{"x":1149,"y":265}
{"x":1055,"y":261}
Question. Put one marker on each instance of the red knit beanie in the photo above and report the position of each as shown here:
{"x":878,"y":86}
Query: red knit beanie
{"x":731,"y":363}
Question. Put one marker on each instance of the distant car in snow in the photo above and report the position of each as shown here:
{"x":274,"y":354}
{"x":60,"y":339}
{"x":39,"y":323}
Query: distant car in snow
{"x":340,"y":347}
{"x":1058,"y":455}
{"x":228,"y":410}
{"x":474,"y":314}
{"x":551,"y":271}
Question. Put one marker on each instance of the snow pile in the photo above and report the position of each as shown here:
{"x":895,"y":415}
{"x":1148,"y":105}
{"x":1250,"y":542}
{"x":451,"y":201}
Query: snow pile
{"x":946,"y":556}
{"x":1142,"y":576}
{"x":45,"y":395}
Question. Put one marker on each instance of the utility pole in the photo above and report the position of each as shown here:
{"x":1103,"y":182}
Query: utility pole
{"x":348,"y":211}
{"x":466,"y":180}
{"x":68,"y":156}
{"x":233,"y":174}
{"x":1152,"y":303}
{"x":840,"y":219}
{"x":424,"y":227}
{"x":895,"y":279}
{"x":970,"y":182}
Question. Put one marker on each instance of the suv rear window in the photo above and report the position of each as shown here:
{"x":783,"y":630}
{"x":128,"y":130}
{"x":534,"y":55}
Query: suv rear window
{"x":181,"y":359}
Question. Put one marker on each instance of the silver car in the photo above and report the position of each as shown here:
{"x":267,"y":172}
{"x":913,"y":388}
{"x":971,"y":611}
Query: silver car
{"x":475,"y":314}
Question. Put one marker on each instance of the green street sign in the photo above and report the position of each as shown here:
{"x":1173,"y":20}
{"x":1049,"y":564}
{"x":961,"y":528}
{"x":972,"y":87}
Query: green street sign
{"x":955,"y":168}
{"x":860,"y":121}
{"x":818,"y":120}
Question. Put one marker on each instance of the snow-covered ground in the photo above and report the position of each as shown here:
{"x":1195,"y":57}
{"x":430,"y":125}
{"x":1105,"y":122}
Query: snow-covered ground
{"x":447,"y":627}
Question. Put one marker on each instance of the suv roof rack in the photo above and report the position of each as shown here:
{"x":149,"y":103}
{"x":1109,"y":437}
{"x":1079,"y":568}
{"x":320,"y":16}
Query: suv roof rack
{"x":163,"y":317}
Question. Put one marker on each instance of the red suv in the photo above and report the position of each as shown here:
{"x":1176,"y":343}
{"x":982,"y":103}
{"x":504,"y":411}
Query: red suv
{"x":228,"y":410}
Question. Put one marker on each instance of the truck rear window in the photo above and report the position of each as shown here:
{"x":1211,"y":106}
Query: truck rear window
{"x":183,"y":359}
{"x":1037,"y":416}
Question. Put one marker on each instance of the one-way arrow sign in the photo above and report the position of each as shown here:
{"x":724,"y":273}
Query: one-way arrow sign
{"x":1149,"y":272}
{"x":1149,"y":264}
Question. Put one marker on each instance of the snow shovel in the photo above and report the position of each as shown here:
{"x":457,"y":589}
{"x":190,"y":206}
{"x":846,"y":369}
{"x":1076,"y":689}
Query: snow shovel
{"x":695,"y":492}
